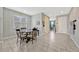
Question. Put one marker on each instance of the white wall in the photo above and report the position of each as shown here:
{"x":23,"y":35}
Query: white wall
{"x":62,"y":24}
{"x":35,"y":19}
{"x":29,"y":21}
{"x":1,"y":23}
{"x":8,"y":22}
{"x":76,"y":35}
{"x":74,"y":15}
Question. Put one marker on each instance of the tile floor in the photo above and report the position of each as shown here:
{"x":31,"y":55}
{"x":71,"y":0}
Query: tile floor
{"x":48,"y":43}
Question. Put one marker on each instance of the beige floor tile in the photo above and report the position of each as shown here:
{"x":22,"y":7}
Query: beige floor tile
{"x":51,"y":42}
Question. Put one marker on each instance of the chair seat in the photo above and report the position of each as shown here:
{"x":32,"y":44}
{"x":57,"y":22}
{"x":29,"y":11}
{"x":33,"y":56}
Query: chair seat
{"x":23,"y":35}
{"x":29,"y":35}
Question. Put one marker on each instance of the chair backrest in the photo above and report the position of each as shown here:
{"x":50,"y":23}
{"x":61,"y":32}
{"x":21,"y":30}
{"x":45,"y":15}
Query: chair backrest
{"x":23,"y":29}
{"x":34,"y":33}
{"x":18,"y":32}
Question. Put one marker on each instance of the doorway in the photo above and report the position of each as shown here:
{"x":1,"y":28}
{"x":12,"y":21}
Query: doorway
{"x":52,"y":25}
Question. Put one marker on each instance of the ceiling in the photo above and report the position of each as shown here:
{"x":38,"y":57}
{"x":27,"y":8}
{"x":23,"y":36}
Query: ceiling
{"x":50,"y":11}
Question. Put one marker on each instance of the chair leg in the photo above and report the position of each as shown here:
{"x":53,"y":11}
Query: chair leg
{"x":36,"y":38}
{"x":27,"y":41}
{"x":20,"y":41}
{"x":32,"y":40}
{"x":17,"y":39}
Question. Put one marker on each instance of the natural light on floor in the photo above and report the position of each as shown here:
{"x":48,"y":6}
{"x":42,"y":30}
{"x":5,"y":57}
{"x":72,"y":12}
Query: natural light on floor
{"x":52,"y":36}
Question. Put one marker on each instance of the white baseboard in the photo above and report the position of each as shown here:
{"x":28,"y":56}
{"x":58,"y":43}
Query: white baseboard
{"x":9,"y":37}
{"x":74,"y":41}
{"x":42,"y":34}
{"x":63,"y":33}
{"x":1,"y":36}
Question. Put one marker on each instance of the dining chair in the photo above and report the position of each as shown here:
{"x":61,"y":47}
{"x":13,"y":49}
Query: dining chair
{"x":18,"y":34}
{"x":34,"y":35}
{"x":23,"y":29}
{"x":28,"y":36}
{"x":31,"y":36}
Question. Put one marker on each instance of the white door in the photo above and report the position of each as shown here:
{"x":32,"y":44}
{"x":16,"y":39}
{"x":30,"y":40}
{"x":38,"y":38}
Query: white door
{"x":62,"y":24}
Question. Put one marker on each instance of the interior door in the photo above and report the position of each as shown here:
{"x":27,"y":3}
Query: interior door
{"x":46,"y":27}
{"x":61,"y":24}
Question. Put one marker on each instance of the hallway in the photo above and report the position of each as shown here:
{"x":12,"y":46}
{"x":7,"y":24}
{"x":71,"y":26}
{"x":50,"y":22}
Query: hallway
{"x":48,"y":43}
